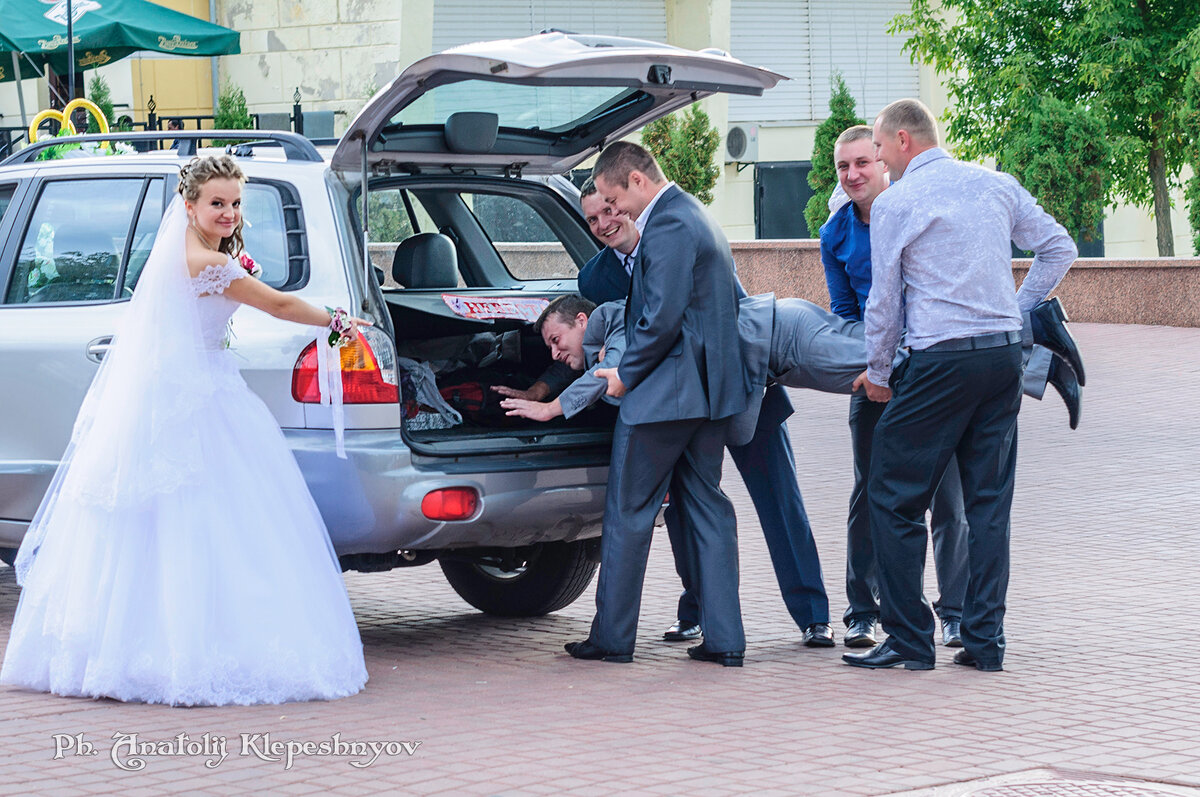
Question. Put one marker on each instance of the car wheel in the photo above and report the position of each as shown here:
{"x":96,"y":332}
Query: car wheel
{"x":550,"y":576}
{"x":8,"y":556}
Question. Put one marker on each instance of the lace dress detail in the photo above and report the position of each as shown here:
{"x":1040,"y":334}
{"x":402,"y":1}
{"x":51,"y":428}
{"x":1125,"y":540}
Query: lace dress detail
{"x":215,"y":279}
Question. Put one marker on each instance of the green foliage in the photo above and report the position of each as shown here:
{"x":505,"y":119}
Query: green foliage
{"x":823,"y":177}
{"x":1191,"y":193}
{"x":684,"y":147}
{"x":58,"y":150}
{"x":99,"y":93}
{"x":1127,"y":62}
{"x":231,"y":111}
{"x":388,"y":217}
{"x":1062,"y":156}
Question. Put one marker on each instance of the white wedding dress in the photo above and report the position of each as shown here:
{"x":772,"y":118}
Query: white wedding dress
{"x":211,"y":580}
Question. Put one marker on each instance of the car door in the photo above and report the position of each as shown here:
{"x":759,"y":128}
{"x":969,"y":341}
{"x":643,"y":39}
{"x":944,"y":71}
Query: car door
{"x":75,"y":248}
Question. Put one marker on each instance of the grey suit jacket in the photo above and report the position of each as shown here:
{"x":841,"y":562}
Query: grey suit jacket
{"x":605,"y":330}
{"x":682,"y":358}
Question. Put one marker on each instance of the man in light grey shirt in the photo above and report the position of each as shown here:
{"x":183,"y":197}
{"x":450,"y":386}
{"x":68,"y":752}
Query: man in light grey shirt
{"x":942,"y":276}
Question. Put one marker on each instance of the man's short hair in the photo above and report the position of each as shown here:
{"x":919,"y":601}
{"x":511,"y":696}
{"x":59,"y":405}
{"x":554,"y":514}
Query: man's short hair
{"x":619,"y":159}
{"x":588,"y":188}
{"x":565,"y":308}
{"x":911,"y":115}
{"x":852,"y":134}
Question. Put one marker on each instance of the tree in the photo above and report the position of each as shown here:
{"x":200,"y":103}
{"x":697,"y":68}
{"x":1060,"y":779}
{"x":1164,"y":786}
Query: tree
{"x":1062,"y":157}
{"x":1125,"y":61}
{"x":102,"y":98}
{"x":684,"y":147}
{"x":231,"y":111}
{"x":823,"y":177}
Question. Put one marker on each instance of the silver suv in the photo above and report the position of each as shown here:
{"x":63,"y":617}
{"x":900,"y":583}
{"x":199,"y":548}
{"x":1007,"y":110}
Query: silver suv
{"x":467,"y":232}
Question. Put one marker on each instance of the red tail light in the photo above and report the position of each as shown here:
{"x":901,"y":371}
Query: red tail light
{"x":364,"y":379}
{"x":450,"y":503}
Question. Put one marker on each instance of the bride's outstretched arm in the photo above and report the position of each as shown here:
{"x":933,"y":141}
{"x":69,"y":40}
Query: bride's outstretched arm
{"x":286,"y":306}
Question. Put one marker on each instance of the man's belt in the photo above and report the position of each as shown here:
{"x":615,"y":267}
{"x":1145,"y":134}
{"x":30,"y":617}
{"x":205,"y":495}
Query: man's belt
{"x":989,"y":341}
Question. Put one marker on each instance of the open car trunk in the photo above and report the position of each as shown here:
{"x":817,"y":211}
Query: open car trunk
{"x":449,"y":363}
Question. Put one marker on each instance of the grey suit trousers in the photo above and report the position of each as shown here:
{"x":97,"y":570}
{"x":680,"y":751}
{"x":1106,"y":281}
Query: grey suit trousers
{"x":816,"y":349}
{"x":644,"y":457}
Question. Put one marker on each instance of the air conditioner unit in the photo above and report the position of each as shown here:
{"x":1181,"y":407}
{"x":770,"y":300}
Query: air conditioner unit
{"x":741,"y":144}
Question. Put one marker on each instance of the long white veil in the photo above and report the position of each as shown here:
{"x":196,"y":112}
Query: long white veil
{"x":134,"y":437}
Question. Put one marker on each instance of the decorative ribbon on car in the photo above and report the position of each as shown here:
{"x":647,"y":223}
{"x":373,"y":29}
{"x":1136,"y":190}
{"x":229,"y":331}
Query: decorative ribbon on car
{"x":329,"y":382}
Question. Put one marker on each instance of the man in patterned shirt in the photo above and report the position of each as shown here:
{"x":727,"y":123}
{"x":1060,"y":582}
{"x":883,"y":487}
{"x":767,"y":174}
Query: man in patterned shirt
{"x":942,"y":278}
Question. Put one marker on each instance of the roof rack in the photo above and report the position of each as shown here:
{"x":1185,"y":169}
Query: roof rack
{"x":295,"y":146}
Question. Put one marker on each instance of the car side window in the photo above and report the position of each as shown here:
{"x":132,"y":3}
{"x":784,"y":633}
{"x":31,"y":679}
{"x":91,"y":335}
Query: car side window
{"x":267,"y":231}
{"x":6,"y":195}
{"x":144,"y":234}
{"x":72,"y":247}
{"x":525,"y":243}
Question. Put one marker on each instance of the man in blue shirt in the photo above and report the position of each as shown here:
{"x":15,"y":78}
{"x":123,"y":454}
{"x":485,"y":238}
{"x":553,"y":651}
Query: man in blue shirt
{"x":846,"y":256}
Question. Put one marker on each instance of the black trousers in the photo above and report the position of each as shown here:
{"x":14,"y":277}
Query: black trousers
{"x":947,"y":527}
{"x":946,"y":403}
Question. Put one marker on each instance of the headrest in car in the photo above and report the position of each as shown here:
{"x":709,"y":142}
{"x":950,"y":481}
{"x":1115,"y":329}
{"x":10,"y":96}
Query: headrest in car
{"x":426,"y":260}
{"x":471,"y":132}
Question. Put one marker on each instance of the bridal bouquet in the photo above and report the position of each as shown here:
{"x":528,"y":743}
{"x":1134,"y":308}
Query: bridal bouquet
{"x":339,"y":327}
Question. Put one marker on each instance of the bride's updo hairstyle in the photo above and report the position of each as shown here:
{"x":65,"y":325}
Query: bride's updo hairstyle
{"x":199,"y":171}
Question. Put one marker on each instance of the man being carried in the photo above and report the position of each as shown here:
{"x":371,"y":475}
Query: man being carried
{"x":790,"y":342}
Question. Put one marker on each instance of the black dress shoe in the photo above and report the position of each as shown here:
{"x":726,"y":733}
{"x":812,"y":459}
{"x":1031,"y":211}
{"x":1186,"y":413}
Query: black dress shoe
{"x":882,"y":657}
{"x":967,"y":660}
{"x":1065,"y":382}
{"x":951,"y":632}
{"x":591,"y":652}
{"x":818,"y":635}
{"x":682,"y":633}
{"x":1048,"y":321}
{"x":731,"y":659}
{"x":860,"y":633}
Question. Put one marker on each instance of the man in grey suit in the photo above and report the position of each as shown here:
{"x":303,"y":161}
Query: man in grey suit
{"x":790,"y":342}
{"x":683,"y":378}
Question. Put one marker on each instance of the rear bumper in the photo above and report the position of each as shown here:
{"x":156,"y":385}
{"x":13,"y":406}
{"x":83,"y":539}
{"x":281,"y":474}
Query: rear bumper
{"x":371,"y":501}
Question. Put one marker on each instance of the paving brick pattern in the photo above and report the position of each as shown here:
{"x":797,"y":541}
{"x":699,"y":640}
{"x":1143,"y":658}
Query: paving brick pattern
{"x":1099,"y":679}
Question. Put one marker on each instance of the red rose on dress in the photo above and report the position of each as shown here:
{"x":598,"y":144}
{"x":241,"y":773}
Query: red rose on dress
{"x":252,"y":268}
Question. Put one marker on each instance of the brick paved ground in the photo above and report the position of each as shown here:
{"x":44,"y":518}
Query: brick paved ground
{"x":1106,"y":537}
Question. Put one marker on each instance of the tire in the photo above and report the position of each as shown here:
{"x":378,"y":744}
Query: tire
{"x":553,"y":575}
{"x":8,"y":556}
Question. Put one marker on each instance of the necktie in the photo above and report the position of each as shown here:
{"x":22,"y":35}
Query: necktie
{"x":628,"y":264}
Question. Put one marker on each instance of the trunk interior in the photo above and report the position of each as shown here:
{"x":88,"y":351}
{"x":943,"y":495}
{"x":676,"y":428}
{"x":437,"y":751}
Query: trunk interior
{"x":448,"y":365}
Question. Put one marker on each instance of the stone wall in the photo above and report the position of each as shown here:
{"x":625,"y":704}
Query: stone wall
{"x":1164,"y":291}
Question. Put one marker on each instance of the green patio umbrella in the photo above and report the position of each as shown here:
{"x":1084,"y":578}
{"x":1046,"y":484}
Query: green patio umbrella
{"x":103,"y":31}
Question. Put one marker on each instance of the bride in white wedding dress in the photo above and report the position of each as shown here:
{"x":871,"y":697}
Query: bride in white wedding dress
{"x":178,"y":556}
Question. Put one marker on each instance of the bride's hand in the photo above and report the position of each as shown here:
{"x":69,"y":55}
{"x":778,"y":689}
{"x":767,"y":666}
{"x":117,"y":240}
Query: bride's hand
{"x":355,"y":323}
